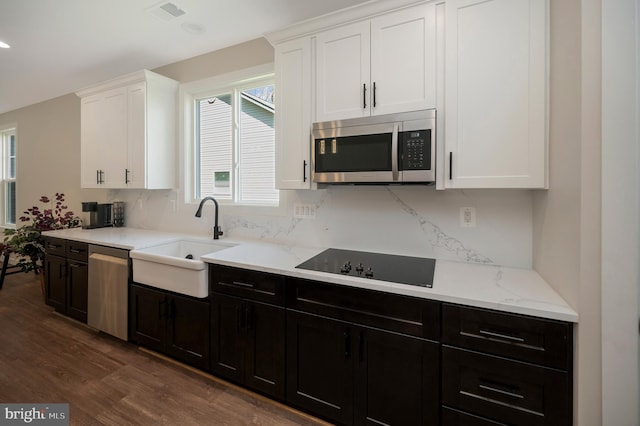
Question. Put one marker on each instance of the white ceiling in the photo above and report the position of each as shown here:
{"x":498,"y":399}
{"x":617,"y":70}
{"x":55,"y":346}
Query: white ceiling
{"x":60,"y":46}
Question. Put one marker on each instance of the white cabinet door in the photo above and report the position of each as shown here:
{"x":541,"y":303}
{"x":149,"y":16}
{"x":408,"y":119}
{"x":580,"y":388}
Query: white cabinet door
{"x":128,"y":132}
{"x":403,"y":60}
{"x":92,"y":137}
{"x":495,"y":105}
{"x":343,"y":88}
{"x":293,"y":114}
{"x":114,"y":150}
{"x":104,"y":139}
{"x":137,"y":131}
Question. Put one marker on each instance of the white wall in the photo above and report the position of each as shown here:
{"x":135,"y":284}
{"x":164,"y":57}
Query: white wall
{"x":48,"y":153}
{"x":566,"y":218}
{"x":620,"y":211}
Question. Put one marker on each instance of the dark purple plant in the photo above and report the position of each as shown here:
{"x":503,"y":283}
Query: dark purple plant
{"x":26,"y":242}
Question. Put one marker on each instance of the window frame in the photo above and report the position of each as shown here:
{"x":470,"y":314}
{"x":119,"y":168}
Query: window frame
{"x":5,"y":134}
{"x":188,"y":94}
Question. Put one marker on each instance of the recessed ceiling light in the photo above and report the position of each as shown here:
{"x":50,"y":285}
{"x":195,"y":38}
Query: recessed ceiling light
{"x":193,"y":28}
{"x":4,"y":45}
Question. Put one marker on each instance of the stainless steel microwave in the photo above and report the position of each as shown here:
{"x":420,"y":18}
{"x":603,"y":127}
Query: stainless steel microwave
{"x":393,"y":148}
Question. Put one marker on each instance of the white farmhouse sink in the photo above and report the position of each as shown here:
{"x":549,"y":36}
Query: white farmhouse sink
{"x":168,"y":267}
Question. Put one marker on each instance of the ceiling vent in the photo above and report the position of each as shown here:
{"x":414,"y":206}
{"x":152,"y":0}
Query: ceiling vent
{"x":166,"y":11}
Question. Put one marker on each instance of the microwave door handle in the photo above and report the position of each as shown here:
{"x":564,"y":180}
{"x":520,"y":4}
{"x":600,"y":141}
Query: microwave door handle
{"x":394,"y":152}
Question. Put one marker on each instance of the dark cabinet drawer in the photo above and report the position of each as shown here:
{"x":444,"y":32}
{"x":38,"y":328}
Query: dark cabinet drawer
{"x":504,"y":390}
{"x":402,"y":314}
{"x":252,"y":285}
{"x":56,"y":246}
{"x":77,"y":251}
{"x":451,"y":417}
{"x":540,"y":341}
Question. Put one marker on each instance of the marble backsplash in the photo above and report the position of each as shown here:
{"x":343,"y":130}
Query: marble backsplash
{"x":408,"y":220}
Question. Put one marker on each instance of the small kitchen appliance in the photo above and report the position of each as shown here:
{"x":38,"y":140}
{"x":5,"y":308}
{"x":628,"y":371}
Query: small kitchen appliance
{"x":118,"y":213}
{"x":382,"y":149}
{"x":95,"y":215}
{"x":410,"y":270}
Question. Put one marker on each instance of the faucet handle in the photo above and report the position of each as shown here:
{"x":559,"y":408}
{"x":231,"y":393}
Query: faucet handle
{"x":217,"y":232}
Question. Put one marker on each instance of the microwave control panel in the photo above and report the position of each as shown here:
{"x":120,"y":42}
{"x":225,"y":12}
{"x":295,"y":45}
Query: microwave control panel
{"x":416,"y":150}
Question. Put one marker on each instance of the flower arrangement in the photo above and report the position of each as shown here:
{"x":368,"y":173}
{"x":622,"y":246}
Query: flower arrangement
{"x":27,"y":242}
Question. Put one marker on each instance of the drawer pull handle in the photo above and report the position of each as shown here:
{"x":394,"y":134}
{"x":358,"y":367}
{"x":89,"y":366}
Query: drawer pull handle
{"x":76,"y":251}
{"x":502,"y":392}
{"x":501,"y":336}
{"x":243,"y":284}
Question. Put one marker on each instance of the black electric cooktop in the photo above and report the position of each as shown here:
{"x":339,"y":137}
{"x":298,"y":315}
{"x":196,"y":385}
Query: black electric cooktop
{"x":386,"y":267}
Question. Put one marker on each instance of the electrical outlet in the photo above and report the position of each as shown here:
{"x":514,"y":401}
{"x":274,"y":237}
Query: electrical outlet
{"x":468,"y":217}
{"x":139,"y":205}
{"x":304,"y":211}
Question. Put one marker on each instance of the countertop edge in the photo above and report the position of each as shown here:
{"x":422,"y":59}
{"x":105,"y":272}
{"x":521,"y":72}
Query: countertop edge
{"x":504,"y":289}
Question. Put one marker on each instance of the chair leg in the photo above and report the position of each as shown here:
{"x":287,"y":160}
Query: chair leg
{"x":3,"y":273}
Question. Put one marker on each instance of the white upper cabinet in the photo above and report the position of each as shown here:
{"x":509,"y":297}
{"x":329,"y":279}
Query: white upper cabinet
{"x":293,"y":114}
{"x":128,"y":134}
{"x":496,"y":94}
{"x":383,"y":65}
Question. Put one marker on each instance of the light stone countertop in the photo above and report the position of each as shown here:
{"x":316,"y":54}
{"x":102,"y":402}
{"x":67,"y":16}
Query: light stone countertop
{"x":506,"y":289}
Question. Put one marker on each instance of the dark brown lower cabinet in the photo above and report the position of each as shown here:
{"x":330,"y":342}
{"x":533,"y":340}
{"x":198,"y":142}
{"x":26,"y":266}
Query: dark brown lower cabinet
{"x":247,"y":343}
{"x":502,"y":368}
{"x":66,"y":277}
{"x":504,"y":390}
{"x":352,"y":374}
{"x":452,"y":417}
{"x":170,"y":323}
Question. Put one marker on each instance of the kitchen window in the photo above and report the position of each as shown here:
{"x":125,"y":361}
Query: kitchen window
{"x":8,"y":187}
{"x":232,"y":140}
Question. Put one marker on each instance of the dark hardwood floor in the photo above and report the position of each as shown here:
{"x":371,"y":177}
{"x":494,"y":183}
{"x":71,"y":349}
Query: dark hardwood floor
{"x":47,"y":358}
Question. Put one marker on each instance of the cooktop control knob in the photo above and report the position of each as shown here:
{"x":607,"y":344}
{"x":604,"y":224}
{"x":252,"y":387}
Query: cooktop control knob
{"x":359,"y":268}
{"x":346,"y":268}
{"x":368,"y":273}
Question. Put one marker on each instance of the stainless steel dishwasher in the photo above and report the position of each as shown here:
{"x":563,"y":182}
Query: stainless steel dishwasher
{"x":108,"y":289}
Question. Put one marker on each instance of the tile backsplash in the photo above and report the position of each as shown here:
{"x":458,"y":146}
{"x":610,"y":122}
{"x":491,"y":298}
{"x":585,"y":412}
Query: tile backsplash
{"x":408,"y":220}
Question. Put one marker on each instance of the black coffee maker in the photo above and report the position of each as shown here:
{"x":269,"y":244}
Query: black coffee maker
{"x":96,"y":215}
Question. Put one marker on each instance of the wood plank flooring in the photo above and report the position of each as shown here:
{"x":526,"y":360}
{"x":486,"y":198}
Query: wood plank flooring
{"x":47,"y":358}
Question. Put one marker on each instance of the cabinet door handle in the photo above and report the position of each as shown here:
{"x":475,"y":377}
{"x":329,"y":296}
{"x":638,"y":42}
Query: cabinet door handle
{"x":98,"y":177}
{"x":374,"y":94}
{"x":505,"y":390}
{"x":238,"y":319}
{"x":304,"y":170}
{"x":361,"y":346}
{"x":450,"y":165}
{"x":501,"y":336}
{"x":162,"y":307}
{"x":60,"y":272}
{"x":347,"y":343}
{"x":245,"y":317}
{"x":126,"y":176}
{"x":364,"y":95}
{"x":250,"y":315}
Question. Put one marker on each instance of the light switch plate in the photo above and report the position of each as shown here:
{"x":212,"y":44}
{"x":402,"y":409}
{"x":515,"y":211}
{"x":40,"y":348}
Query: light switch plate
{"x":304,"y":211}
{"x":468,"y":217}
